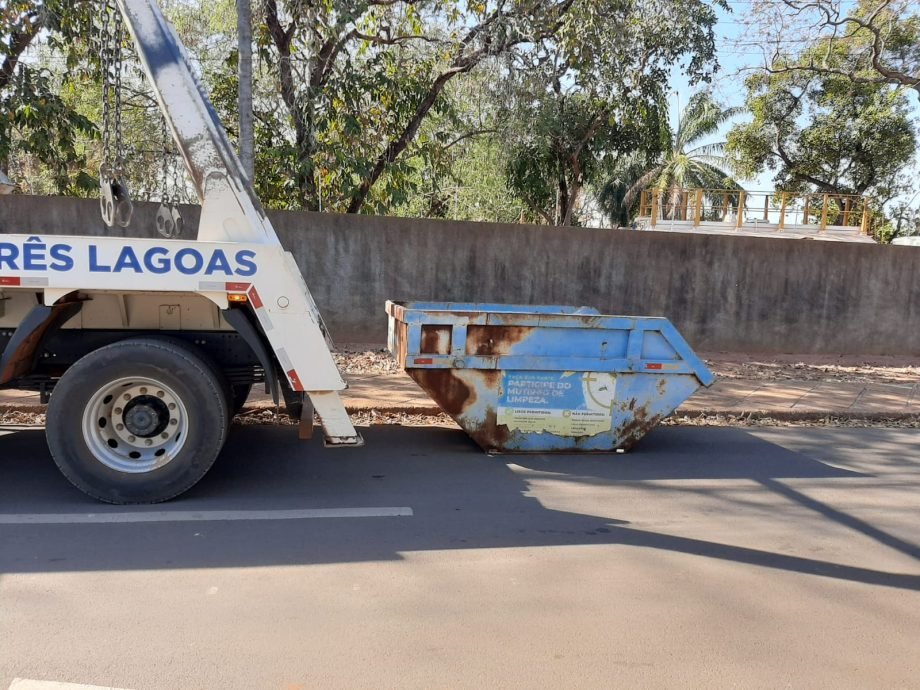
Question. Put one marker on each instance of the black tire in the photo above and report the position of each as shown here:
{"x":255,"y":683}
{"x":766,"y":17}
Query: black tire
{"x":239,"y":397}
{"x":190,"y":380}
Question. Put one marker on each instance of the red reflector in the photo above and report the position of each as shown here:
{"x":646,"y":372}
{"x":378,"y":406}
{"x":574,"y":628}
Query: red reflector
{"x":424,"y":360}
{"x":237,"y":287}
{"x":254,"y":298}
{"x":295,"y":381}
{"x":654,"y":367}
{"x":10,"y":282}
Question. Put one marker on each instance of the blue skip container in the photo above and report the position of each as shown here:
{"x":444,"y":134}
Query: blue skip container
{"x":525,"y":379}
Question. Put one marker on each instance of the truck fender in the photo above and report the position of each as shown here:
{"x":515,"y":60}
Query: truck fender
{"x":22,"y":350}
{"x":247,"y":331}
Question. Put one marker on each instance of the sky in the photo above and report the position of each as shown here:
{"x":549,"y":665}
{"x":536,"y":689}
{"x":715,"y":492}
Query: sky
{"x":736,"y":55}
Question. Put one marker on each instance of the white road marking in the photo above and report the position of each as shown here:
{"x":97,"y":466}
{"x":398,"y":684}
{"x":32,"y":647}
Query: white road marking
{"x":24,"y":684}
{"x":198,"y":516}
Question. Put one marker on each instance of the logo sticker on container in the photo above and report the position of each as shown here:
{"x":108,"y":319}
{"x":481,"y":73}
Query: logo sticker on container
{"x":560,"y":403}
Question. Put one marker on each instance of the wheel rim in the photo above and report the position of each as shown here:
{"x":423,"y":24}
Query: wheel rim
{"x":135,"y":425}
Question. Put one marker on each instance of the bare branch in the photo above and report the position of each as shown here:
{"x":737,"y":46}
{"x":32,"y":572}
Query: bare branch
{"x":20,"y":39}
{"x":468,"y":135}
{"x":847,"y":27}
{"x":394,"y":40}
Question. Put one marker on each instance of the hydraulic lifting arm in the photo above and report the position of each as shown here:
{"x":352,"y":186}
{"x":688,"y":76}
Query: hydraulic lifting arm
{"x":232,"y":215}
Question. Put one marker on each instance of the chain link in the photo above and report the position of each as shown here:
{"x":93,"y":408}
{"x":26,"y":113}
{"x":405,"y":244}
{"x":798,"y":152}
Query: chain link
{"x":178,"y":180}
{"x":164,"y":163}
{"x":117,"y":61}
{"x":109,"y":45}
{"x":102,"y":44}
{"x":115,"y":197}
{"x":171,"y":169}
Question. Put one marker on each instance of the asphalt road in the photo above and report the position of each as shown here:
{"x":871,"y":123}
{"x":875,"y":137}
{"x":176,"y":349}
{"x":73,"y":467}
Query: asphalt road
{"x":707,"y":557}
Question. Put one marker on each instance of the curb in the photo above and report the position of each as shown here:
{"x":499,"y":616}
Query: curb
{"x":803,"y":416}
{"x":736,"y":415}
{"x":428,"y":410}
{"x":12,"y":407}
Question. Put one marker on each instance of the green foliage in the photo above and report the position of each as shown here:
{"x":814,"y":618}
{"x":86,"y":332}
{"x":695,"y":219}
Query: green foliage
{"x":569,"y":144}
{"x":38,"y":120}
{"x":593,"y":97}
{"x":483,"y":110}
{"x":483,"y":193}
{"x":372,"y":107}
{"x":866,"y":41}
{"x":902,"y":220}
{"x":834,"y":129}
{"x":618,"y":197}
{"x":684,"y":163}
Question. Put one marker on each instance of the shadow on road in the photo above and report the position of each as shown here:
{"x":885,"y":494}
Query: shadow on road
{"x":461,"y":499}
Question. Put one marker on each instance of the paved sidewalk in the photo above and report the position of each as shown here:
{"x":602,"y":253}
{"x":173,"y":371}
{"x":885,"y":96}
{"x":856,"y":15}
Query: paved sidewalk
{"x":788,"y":399}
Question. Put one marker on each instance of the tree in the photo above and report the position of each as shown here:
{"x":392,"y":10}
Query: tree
{"x":36,"y":117}
{"x":595,"y":95}
{"x":685,"y":162}
{"x":567,"y":146}
{"x":244,"y":58}
{"x":873,"y":42}
{"x":825,"y":132}
{"x":357,"y":103}
{"x":360,"y":77}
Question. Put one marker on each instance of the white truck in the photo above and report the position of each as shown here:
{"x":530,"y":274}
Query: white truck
{"x":144,"y":349}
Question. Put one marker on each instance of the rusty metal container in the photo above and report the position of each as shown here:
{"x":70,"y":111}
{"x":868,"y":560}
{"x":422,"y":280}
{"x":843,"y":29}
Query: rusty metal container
{"x":522,"y":379}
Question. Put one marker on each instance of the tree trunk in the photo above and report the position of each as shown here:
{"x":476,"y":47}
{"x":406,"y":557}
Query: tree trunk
{"x":247,"y":126}
{"x":301,"y":113}
{"x":571,"y":200}
{"x":398,"y":145}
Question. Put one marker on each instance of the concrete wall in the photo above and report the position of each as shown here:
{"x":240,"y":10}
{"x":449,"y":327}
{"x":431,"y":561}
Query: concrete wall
{"x":737,"y":294}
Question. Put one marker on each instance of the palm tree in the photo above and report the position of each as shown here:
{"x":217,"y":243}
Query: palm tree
{"x":685,"y":164}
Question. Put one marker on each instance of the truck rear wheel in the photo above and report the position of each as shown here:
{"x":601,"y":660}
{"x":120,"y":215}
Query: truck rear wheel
{"x":138,"y":421}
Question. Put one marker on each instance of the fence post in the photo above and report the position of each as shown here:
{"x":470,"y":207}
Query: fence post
{"x":740,"y":220}
{"x":782,"y":211}
{"x":698,"y":208}
{"x":864,"y":226}
{"x":846,"y":211}
{"x":654,"y":215}
{"x":824,"y":214}
{"x":805,"y":210}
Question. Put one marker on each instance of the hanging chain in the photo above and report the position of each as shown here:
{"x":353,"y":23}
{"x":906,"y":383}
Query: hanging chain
{"x":178,"y":180}
{"x":170,"y":174}
{"x":168,"y":218}
{"x":117,"y":62}
{"x":115,"y":199}
{"x":103,"y":44}
{"x":166,"y":154}
{"x":110,"y":42}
